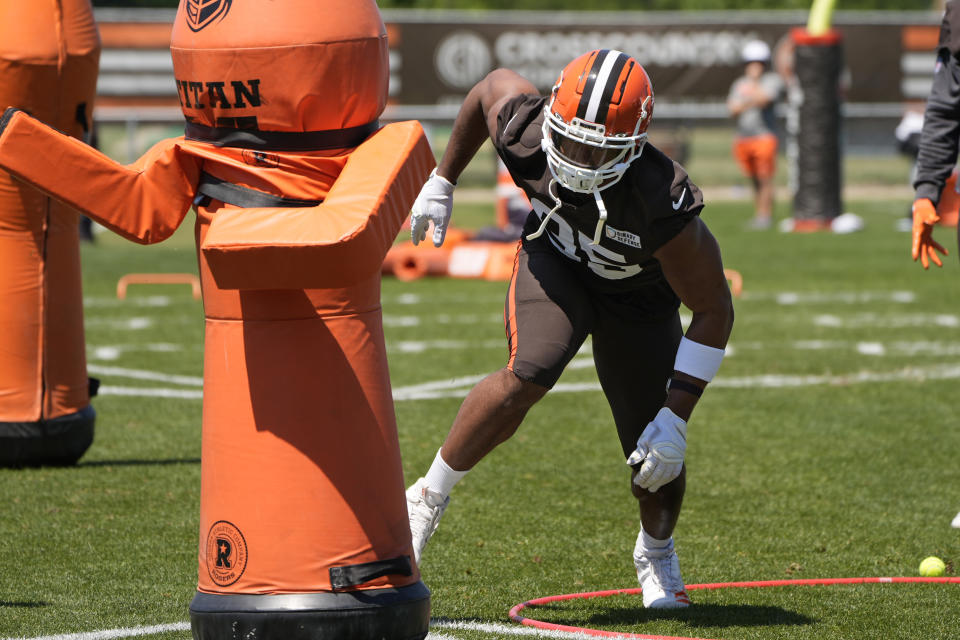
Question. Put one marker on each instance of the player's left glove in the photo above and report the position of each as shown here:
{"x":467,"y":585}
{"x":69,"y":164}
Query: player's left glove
{"x":660,"y":450}
{"x":434,"y":204}
{"x":924,"y":246}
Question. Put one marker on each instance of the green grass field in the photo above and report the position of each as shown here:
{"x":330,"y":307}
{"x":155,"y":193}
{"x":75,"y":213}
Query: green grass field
{"x":826,"y":448}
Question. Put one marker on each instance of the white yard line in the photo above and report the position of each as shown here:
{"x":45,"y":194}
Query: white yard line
{"x":115,"y":351}
{"x":147,"y":392}
{"x":94,"y":302}
{"x":788,"y":298}
{"x":121,"y":324}
{"x":140,"y":374}
{"x":392,"y":320}
{"x":504,"y":629}
{"x":110,"y":634}
{"x":422,"y":346}
{"x":459,"y":387}
{"x":887,"y":320}
{"x":485,"y":627}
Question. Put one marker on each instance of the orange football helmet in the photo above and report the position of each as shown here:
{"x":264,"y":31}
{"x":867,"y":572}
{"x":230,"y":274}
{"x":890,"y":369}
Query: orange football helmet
{"x":595,"y":123}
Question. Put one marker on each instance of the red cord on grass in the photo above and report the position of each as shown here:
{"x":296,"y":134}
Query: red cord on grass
{"x":530,"y":622}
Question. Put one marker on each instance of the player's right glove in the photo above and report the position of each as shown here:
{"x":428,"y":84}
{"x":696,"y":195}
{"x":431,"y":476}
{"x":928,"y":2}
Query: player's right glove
{"x":434,"y":204}
{"x":658,"y":457}
{"x":924,"y":246}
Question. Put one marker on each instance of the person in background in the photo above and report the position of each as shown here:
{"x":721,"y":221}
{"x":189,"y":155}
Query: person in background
{"x":939,"y":139}
{"x":751,"y":101}
{"x":613,"y":244}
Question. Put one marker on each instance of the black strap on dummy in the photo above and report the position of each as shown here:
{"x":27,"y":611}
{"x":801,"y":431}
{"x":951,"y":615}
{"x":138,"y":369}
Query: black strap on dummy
{"x":280,"y":140}
{"x":211,"y":187}
{"x":5,"y":118}
{"x":353,"y":575}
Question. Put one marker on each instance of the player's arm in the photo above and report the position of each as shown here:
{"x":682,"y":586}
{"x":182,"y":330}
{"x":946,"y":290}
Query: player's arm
{"x":692,"y":265}
{"x":941,"y":128}
{"x":475,"y":122}
{"x":938,"y":145}
{"x":477,"y":118}
{"x":750,"y":95}
{"x":736,"y":104}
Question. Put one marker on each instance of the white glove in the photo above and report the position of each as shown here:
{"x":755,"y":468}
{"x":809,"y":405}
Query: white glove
{"x":434,"y":204}
{"x":660,"y":450}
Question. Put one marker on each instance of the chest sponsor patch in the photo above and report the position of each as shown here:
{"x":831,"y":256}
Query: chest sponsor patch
{"x":623,"y":237}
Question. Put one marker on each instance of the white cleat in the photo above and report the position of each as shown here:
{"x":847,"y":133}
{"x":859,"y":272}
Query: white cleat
{"x":660,"y":580}
{"x":956,"y":522}
{"x":424,"y":508}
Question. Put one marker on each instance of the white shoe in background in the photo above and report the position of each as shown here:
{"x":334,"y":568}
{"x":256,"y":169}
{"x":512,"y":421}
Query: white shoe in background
{"x":846,"y":223}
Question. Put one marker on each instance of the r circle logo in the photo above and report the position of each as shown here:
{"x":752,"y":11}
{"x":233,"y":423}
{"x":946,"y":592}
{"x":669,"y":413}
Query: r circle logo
{"x":203,"y":13}
{"x":226,"y":553}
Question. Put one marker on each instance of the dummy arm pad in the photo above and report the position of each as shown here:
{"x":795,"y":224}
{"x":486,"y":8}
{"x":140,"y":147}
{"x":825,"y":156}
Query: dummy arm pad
{"x":336,"y":244}
{"x":144,"y":202}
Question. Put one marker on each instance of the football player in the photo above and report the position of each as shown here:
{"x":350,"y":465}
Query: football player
{"x":613,"y":244}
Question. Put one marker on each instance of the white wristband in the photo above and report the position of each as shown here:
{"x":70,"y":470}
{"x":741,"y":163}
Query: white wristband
{"x":698,"y":360}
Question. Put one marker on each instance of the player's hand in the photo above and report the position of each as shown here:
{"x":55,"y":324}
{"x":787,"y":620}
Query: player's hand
{"x":660,"y":451}
{"x":434,"y":204}
{"x":924,"y":246}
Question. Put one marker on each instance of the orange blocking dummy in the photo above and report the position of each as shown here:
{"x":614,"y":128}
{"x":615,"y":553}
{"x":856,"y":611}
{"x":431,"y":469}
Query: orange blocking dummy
{"x":299,"y":193}
{"x":49,"y":54}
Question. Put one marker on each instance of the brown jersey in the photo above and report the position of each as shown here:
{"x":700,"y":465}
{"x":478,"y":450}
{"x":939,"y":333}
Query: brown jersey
{"x":646,"y":208}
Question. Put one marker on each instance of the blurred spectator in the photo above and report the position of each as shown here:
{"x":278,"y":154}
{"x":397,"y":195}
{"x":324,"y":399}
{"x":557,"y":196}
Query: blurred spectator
{"x":751,"y":101}
{"x":939,"y":138}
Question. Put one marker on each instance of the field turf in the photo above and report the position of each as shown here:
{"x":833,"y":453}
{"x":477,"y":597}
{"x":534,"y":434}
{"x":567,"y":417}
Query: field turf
{"x":826,"y":448}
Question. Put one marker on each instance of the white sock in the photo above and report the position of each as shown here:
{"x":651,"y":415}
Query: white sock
{"x":649,"y":545}
{"x":441,"y":477}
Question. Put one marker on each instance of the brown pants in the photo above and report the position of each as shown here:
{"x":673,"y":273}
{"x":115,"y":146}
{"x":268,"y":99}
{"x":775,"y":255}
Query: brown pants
{"x":550,"y":309}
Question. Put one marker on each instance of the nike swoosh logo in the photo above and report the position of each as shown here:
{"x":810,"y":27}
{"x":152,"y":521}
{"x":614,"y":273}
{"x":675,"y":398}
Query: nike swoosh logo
{"x":676,"y":205}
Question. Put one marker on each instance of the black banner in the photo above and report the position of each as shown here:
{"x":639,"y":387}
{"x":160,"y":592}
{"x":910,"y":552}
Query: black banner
{"x":437,"y":57}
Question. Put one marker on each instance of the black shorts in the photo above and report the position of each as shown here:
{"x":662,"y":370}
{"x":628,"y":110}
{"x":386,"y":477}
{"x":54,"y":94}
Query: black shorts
{"x":549,"y":312}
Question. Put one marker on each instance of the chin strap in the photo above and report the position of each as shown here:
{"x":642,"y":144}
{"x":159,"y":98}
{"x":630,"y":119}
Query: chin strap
{"x":603,"y":216}
{"x":546,"y":218}
{"x":600,"y":222}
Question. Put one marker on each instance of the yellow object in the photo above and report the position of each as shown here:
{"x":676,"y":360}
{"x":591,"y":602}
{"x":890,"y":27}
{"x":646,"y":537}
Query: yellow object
{"x":932,"y":567}
{"x":821,"y":14}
